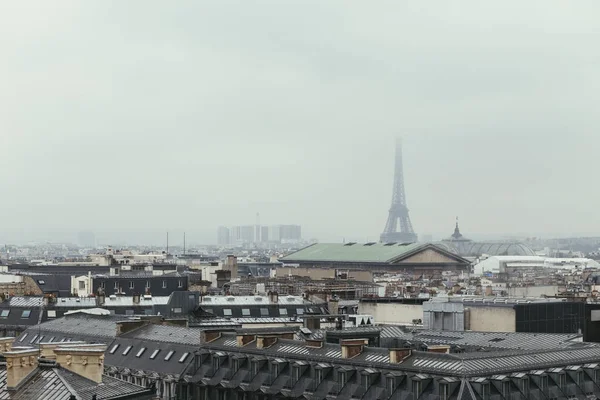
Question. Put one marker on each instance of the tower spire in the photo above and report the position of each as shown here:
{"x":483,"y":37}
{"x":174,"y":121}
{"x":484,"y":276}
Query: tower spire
{"x":398,"y":227}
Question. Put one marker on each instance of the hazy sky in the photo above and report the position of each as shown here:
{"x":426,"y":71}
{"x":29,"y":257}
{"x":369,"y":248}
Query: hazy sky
{"x":130,"y":118}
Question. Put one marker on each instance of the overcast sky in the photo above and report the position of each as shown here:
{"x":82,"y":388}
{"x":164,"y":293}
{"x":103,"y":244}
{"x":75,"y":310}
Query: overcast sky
{"x":130,"y":118}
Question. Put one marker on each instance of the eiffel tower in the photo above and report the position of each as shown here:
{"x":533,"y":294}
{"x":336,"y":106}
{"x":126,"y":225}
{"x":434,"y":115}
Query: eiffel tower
{"x":398,"y":214}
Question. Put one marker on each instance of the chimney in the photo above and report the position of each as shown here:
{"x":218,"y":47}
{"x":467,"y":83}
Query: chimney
{"x":184,"y":322}
{"x":6,"y":344}
{"x":136,"y":298}
{"x":100,"y":299}
{"x":243,"y":340}
{"x":399,"y":355}
{"x":333,"y":305}
{"x":209,"y":336}
{"x":19,"y":366}
{"x":314,"y":343}
{"x":85,"y":361}
{"x":47,"y":349}
{"x":129,"y":325}
{"x":353,"y":347}
{"x":264,"y":342}
{"x":488,"y":290}
{"x":439,"y":349}
{"x":273,"y":297}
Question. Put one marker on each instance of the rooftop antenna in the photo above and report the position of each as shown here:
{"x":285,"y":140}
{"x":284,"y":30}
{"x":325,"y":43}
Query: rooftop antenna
{"x":167,"y":243}
{"x":183,"y":242}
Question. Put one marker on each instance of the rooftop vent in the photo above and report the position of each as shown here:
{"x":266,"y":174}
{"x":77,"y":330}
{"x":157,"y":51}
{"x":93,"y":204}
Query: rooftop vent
{"x":369,"y":244}
{"x":405,"y":244}
{"x":113,"y":296}
{"x":390,"y":244}
{"x":350,"y":244}
{"x":258,"y":298}
{"x":231,"y":298}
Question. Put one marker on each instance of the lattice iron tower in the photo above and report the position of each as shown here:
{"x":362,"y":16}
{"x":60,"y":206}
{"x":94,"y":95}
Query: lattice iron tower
{"x":398,"y":227}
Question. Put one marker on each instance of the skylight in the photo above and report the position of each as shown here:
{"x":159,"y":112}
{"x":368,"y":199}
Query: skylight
{"x":142,"y":350}
{"x":115,"y":347}
{"x":154,"y":354}
{"x":183,"y":357}
{"x":169,"y":355}
{"x":127,"y":350}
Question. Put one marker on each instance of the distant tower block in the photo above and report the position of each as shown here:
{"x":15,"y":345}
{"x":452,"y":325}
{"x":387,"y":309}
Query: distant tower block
{"x":398,"y":227}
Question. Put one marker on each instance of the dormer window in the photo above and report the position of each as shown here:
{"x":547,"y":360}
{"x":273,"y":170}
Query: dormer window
{"x":444,"y":391}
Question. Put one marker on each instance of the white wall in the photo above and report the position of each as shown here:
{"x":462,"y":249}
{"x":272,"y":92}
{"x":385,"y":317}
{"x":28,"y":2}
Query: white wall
{"x":491,"y":319}
{"x":11,"y":278}
{"x":82,"y":285}
{"x":391,"y":313}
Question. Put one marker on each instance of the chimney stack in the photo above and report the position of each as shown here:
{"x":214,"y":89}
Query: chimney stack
{"x":129,"y":325}
{"x":209,"y":336}
{"x":85,"y":361}
{"x":264,"y":342}
{"x":19,"y":365}
{"x":47,"y":349}
{"x":243,"y":340}
{"x":314,"y":343}
{"x":273,"y":297}
{"x":6,"y":344}
{"x":136,"y":298}
{"x":488,"y":290}
{"x":399,"y":355}
{"x":353,"y":347}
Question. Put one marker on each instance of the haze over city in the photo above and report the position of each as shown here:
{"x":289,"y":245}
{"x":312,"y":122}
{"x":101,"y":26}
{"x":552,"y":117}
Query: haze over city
{"x":133,"y":118}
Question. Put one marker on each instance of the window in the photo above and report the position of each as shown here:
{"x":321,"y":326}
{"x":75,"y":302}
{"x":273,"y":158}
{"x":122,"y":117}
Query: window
{"x":264,"y":312}
{"x":25,"y":313}
{"x":41,"y":282}
{"x":81,"y":285}
{"x":562,"y":380}
{"x":579,"y":377}
{"x":177,"y":310}
{"x":33,"y":339}
{"x":283,"y":312}
{"x":154,"y":354}
{"x":139,"y":353}
{"x":103,"y":285}
{"x":127,"y":350}
{"x":116,"y":285}
{"x":485,"y":391}
{"x":342,"y":378}
{"x":227,"y":312}
{"x":505,"y":389}
{"x":40,"y":339}
{"x":236,"y":365}
{"x":51,"y":339}
{"x":246,"y":312}
{"x":51,"y":313}
{"x":391,"y":386}
{"x":525,"y":385}
{"x":179,"y":284}
{"x":296,"y":374}
{"x":23,"y":337}
{"x":128,"y":312}
{"x":299,"y":311}
{"x":147,"y":284}
{"x":164,"y":284}
{"x":4,"y":313}
{"x":131,"y":285}
{"x":169,"y":355}
{"x":115,"y":347}
{"x":183,"y":357}
{"x":215,"y":363}
{"x":366,"y":381}
{"x":416,"y":388}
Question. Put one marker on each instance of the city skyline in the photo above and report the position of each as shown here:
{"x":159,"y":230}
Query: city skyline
{"x":174,"y":120}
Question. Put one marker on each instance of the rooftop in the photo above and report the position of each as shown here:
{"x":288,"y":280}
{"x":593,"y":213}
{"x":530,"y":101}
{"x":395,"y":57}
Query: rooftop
{"x":352,"y":252}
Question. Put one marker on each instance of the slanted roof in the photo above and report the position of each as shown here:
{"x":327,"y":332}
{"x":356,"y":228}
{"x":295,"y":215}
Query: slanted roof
{"x":55,"y":383}
{"x":349,"y":252}
{"x":364,"y":252}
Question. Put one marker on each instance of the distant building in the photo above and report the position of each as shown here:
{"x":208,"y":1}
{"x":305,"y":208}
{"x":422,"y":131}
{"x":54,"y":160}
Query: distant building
{"x":415,"y":258}
{"x":223,"y":236}
{"x":250,"y":234}
{"x":464,"y":247}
